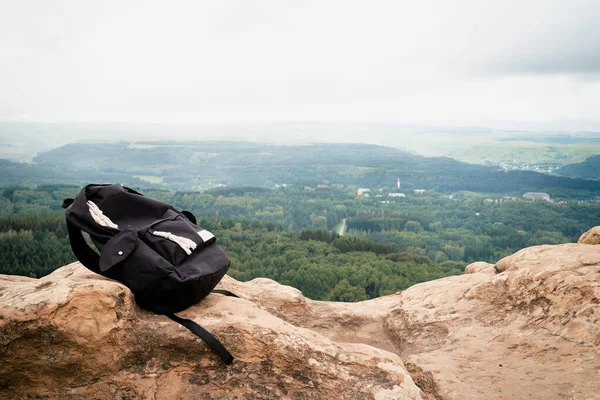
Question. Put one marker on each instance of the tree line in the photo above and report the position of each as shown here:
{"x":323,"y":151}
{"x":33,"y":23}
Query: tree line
{"x":288,"y":234}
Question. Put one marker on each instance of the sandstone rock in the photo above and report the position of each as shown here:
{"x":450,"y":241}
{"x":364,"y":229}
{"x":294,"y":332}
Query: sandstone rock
{"x":76,"y":335}
{"x":529,"y":331}
{"x":590,"y":237}
{"x":360,"y":322}
{"x":532,"y":331}
{"x":480,"y":266}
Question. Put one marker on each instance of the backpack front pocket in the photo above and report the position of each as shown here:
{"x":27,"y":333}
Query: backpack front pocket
{"x":131,"y":261}
{"x":175,"y":238}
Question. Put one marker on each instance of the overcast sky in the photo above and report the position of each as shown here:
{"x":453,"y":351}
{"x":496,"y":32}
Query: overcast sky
{"x":509,"y":64}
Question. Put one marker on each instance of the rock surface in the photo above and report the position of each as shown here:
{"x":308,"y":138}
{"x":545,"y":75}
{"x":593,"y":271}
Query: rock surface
{"x":590,"y":237}
{"x":528,"y":330}
{"x":76,"y":335}
{"x":480,"y":266}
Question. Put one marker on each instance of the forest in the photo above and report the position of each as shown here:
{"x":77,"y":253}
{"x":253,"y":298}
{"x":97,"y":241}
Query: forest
{"x":290,"y":233}
{"x":589,"y":169}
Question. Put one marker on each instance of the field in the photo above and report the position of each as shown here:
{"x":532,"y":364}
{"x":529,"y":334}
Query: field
{"x":501,"y":148}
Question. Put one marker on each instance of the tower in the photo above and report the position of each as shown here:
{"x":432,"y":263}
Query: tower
{"x":398,"y":183}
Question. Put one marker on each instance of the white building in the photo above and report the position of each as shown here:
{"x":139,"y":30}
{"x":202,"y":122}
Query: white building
{"x":418,"y":191}
{"x":537,"y":196}
{"x":363,"y":192}
{"x":396,"y":195}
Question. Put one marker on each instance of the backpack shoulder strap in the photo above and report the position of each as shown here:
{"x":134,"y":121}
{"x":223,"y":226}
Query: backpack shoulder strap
{"x":225,"y":292}
{"x":67,"y":202}
{"x":84,"y":253}
{"x":210,"y":340}
{"x":191,"y":217}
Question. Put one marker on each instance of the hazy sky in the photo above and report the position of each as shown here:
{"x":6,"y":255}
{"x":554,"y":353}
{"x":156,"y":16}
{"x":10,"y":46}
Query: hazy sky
{"x":508,"y":64}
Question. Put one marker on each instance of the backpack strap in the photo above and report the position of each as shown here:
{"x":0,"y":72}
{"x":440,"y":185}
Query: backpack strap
{"x":84,"y":253}
{"x":67,"y":202}
{"x":210,"y":340}
{"x":225,"y":292}
{"x":191,"y":217}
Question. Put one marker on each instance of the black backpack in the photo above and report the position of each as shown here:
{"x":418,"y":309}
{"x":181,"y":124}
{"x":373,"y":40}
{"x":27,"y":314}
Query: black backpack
{"x":158,"y":252}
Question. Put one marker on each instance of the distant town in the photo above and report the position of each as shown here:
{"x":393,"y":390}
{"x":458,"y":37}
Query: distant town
{"x":518,"y":166}
{"x":388,"y":197}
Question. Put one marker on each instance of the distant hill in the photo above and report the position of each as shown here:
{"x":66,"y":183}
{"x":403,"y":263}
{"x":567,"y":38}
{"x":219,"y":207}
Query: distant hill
{"x":589,"y":169}
{"x":19,"y":174}
{"x":201,"y":165}
{"x":184,"y":165}
{"x":24,"y":174}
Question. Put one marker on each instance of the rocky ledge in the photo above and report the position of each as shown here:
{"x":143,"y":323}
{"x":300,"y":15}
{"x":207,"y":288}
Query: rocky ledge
{"x":527,"y":327}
